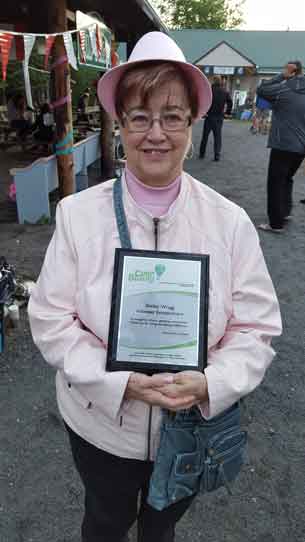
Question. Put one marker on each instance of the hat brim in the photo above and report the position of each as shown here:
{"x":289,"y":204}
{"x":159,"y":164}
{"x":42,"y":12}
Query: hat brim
{"x":107,"y":85}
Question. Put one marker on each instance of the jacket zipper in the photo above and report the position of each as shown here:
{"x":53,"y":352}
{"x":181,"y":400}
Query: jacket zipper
{"x":156,"y":222}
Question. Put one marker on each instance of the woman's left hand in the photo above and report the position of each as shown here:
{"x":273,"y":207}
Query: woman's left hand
{"x":187,"y":383}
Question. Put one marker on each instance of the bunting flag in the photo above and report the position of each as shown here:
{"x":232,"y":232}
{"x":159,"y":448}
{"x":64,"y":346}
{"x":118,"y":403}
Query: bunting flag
{"x":49,"y":44}
{"x":70,"y":50}
{"x":82,"y":45}
{"x":107,"y":53}
{"x":92,"y":35}
{"x":114,"y":55}
{"x":5,"y":47}
{"x":101,"y":50}
{"x":29,"y":42}
{"x":19,"y":43}
{"x":99,"y":44}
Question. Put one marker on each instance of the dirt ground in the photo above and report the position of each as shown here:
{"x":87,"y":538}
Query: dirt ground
{"x":40,"y":494}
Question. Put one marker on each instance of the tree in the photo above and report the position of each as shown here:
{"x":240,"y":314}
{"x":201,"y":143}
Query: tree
{"x":218,"y":14}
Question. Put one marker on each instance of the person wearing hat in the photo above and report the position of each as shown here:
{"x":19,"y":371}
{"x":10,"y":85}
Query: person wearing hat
{"x":113,"y":418}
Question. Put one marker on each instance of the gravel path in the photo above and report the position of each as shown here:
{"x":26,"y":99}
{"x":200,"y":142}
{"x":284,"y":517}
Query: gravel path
{"x":40,"y":495}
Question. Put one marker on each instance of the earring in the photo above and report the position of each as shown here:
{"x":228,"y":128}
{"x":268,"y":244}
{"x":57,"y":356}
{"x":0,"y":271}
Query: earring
{"x":190,"y":151}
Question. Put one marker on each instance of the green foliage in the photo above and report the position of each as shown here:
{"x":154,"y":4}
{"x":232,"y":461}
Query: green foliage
{"x":213,"y":14}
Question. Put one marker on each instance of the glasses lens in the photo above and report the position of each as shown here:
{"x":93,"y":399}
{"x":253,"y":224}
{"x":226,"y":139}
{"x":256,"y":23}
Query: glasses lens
{"x":138,"y":121}
{"x":174,"y":121}
{"x":170,"y":121}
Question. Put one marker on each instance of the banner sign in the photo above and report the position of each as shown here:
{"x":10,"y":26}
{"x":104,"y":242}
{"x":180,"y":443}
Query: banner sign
{"x":94,"y":43}
{"x":224,"y":70}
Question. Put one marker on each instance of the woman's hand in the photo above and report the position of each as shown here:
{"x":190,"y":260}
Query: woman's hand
{"x":152,"y":390}
{"x":173,"y":392}
{"x":187,"y":383}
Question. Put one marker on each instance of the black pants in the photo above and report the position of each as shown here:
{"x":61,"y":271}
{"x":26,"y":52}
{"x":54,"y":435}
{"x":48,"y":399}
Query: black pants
{"x":283,"y":165}
{"x":112,"y":486}
{"x":212,"y":123}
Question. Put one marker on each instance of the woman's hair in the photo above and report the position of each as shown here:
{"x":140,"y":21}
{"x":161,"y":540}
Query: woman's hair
{"x":145,"y":79}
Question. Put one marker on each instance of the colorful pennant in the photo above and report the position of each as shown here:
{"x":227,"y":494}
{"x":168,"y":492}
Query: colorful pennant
{"x":70,"y":50}
{"x":99,"y":44}
{"x":82,"y":45}
{"x":92,"y":35}
{"x":5,"y":47}
{"x":107,"y":53}
{"x":29,"y":42}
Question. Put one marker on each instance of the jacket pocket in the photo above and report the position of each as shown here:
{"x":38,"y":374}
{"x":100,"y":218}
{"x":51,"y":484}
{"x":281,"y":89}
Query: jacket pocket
{"x":78,"y":397}
{"x":185,"y":476}
{"x":224,"y":458}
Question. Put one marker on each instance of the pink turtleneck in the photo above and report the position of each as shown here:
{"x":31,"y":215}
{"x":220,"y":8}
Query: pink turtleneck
{"x":154,"y":200}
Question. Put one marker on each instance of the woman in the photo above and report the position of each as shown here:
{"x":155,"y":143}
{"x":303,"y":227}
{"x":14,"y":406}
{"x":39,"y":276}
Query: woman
{"x":155,"y":97}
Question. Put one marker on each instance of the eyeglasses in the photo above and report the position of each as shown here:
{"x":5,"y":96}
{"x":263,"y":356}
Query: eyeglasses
{"x":138,"y":120}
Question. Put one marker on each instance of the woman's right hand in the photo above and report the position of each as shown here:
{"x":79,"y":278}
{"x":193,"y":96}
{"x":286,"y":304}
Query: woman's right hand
{"x":145,"y":388}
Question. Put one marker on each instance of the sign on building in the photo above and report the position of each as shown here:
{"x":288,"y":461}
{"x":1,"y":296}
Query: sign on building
{"x":223,"y":70}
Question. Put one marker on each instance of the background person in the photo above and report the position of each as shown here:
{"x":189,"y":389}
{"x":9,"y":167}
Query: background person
{"x":17,"y":111}
{"x":43,"y":128}
{"x":286,"y":93}
{"x":221,"y":105}
{"x":262,"y":112}
{"x":113,"y":419}
{"x":82,"y":105}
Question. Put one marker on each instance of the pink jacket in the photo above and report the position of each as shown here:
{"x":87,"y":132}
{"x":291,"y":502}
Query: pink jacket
{"x":70,"y":306}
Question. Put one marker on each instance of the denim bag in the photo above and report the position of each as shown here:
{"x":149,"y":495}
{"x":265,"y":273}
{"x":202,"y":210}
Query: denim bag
{"x":195,"y":455}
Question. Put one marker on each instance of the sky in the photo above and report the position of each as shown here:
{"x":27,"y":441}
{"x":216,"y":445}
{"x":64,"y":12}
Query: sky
{"x":274,"y":15}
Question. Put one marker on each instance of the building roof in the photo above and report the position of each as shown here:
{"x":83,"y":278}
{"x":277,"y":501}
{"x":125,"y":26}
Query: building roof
{"x":129,"y":19}
{"x":270,"y":50}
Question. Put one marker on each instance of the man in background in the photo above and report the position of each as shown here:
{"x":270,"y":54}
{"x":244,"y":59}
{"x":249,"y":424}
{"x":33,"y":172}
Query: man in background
{"x":286,"y":93}
{"x":221,"y":105}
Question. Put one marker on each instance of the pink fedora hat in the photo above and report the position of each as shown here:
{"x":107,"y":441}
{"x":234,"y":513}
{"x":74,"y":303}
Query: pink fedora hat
{"x":154,"y":46}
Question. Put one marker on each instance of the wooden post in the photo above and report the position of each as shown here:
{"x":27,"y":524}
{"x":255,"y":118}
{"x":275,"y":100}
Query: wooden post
{"x":61,"y":97}
{"x":107,"y":146}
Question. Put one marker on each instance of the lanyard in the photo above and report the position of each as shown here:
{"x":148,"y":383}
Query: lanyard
{"x":120,"y":214}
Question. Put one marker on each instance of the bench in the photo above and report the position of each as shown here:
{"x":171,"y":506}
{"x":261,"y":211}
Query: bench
{"x":35,"y":182}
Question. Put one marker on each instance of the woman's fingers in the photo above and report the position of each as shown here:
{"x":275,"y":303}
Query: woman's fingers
{"x":159,"y":380}
{"x":187,"y":383}
{"x":157,"y":398}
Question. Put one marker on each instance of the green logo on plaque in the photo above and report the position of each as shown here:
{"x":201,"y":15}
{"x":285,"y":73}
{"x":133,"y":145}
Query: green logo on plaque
{"x":147,"y":276}
{"x":142,"y":276}
{"x":160,"y":268}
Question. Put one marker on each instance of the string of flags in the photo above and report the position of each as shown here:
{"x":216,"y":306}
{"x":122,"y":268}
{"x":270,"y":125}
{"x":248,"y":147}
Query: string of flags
{"x":101,"y":47}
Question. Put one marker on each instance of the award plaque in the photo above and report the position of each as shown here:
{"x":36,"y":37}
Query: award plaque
{"x":159,"y":312}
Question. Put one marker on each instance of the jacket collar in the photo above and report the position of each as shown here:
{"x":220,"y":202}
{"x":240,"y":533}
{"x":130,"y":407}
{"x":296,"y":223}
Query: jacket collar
{"x":135,"y":213}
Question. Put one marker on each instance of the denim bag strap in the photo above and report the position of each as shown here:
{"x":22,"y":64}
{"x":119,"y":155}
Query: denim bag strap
{"x":120,"y":214}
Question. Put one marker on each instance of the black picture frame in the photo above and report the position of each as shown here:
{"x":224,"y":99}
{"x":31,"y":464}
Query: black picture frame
{"x":112,"y":363}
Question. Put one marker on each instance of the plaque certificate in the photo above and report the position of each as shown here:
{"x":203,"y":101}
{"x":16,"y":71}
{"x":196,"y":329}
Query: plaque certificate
{"x":159,"y":310}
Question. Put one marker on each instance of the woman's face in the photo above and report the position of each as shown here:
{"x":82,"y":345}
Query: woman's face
{"x":156,"y":156}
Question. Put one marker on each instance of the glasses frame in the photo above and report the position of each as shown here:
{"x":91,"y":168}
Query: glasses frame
{"x":159,"y":118}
